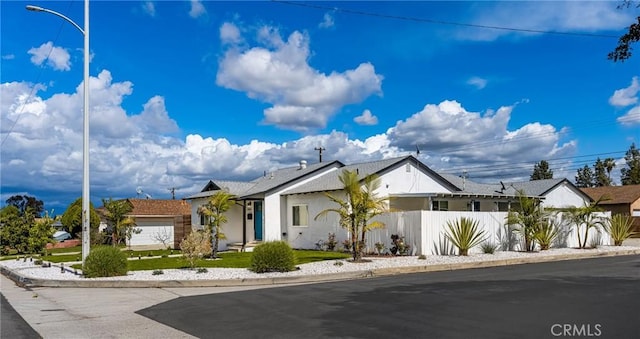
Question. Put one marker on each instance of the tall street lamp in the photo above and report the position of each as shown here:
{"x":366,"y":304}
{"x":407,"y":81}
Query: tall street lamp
{"x":85,"y":144}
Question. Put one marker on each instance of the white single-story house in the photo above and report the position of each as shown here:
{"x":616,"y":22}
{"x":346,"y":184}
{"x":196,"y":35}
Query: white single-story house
{"x":282,"y":205}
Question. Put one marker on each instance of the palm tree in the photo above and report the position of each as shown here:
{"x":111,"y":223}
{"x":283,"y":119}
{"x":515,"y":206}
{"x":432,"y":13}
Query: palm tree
{"x":122,"y":225}
{"x":529,"y":216}
{"x":587,"y":216}
{"x":214,"y":211}
{"x":357,"y":208}
{"x":609,"y":164}
{"x":371,"y":206}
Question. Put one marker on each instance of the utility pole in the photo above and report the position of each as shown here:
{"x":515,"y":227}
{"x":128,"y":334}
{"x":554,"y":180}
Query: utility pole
{"x":173,"y":193}
{"x":320,"y":149}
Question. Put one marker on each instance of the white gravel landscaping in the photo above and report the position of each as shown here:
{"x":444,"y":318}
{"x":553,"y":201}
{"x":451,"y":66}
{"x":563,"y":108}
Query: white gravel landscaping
{"x":30,"y":270}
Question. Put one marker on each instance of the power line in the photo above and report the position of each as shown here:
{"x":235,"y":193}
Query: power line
{"x":438,"y":22}
{"x":508,"y":165}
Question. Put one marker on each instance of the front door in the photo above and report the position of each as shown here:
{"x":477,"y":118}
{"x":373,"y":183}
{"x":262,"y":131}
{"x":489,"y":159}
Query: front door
{"x":257,"y":220}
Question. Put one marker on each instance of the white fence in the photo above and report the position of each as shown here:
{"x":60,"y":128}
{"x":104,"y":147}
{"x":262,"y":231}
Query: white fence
{"x":425,"y":232}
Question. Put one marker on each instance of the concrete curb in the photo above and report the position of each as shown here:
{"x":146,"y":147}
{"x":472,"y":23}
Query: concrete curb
{"x":24,"y":281}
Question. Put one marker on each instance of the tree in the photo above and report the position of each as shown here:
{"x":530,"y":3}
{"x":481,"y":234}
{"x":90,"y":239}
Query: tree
{"x":359,"y":206}
{"x":541,"y":171}
{"x":72,"y":218}
{"x":602,"y":174}
{"x":40,"y":234}
{"x":214,"y":210}
{"x":24,"y":202}
{"x":609,"y":164}
{"x":631,"y":174}
{"x":371,"y":205}
{"x":528,"y":216}
{"x":14,"y":229}
{"x":21,"y":232}
{"x":622,"y":52}
{"x":587,"y":217}
{"x":122,"y":225}
{"x":585,"y":177}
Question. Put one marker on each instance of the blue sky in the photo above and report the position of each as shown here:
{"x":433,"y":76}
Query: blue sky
{"x":185,"y":91}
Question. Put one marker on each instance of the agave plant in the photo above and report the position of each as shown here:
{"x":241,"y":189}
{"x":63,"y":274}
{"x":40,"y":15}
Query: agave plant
{"x":619,"y":227}
{"x":546,"y":232}
{"x":464,"y":234}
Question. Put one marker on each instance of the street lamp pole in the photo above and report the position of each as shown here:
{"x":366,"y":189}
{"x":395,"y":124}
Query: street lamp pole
{"x":85,"y":144}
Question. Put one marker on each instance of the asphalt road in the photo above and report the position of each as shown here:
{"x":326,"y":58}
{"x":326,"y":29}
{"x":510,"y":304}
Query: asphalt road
{"x":12,"y":325}
{"x":580,"y":298}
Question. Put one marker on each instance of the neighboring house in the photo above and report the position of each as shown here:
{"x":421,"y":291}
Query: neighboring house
{"x":282,"y":205}
{"x":168,"y":220}
{"x":618,"y":200}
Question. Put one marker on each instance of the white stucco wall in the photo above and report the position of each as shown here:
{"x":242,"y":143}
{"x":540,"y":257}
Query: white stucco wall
{"x":564,"y":196}
{"x":400,"y":180}
{"x":232,"y":229}
{"x":307,"y":236}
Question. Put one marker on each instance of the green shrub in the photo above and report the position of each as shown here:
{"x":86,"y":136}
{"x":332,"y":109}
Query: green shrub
{"x":157,"y":272}
{"x":105,"y":261}
{"x":422,"y":257}
{"x":488,"y":247}
{"x":273,"y":256}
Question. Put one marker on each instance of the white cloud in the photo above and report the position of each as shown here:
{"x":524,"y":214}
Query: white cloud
{"x":8,"y":57}
{"x":57,"y":57}
{"x":230,"y":34}
{"x":303,"y":99}
{"x":327,"y":21}
{"x":477,"y":82}
{"x":197,"y":9}
{"x":561,"y":16}
{"x":366,"y":118}
{"x":465,"y":137}
{"x":631,"y":118}
{"x":42,"y":144}
{"x":149,"y":8}
{"x":626,"y":96}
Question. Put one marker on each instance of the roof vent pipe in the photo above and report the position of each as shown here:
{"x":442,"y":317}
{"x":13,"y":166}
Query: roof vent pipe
{"x":303,"y":164}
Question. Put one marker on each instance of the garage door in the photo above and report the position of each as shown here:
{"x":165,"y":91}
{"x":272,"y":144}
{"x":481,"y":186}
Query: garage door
{"x":153,"y":232}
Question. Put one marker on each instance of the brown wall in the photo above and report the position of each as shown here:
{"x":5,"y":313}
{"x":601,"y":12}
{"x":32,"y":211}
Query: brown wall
{"x":181,"y":229}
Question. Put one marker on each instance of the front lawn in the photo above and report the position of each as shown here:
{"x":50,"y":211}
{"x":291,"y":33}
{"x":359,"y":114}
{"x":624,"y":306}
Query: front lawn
{"x":226,"y":260}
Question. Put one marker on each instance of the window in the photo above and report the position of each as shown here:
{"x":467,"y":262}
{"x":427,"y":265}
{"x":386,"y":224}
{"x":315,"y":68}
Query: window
{"x":300,"y":215}
{"x":474,"y":206}
{"x":438,"y":205}
{"x":503,"y":206}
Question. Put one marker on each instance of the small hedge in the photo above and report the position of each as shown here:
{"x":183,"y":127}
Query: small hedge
{"x":105,"y":261}
{"x":274,"y":256}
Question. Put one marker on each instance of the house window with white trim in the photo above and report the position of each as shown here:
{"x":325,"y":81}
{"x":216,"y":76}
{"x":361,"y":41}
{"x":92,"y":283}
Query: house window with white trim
{"x":474,"y":205}
{"x":439,"y":205}
{"x":300,"y":215}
